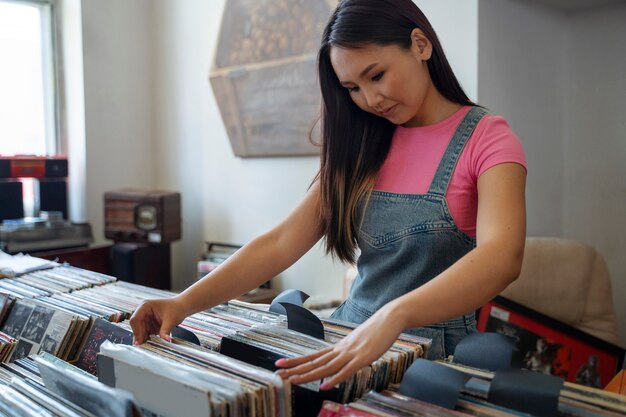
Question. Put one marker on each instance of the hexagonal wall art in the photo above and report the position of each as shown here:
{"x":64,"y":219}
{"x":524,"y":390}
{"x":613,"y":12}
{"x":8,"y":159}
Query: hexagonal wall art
{"x":264,"y":74}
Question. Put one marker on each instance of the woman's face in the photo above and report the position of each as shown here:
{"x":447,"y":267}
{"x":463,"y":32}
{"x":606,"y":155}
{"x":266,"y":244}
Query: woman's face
{"x":387,"y":81}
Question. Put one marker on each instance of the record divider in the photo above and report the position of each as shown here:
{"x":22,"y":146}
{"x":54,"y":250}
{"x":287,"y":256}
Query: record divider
{"x":530,"y":392}
{"x":306,"y":401}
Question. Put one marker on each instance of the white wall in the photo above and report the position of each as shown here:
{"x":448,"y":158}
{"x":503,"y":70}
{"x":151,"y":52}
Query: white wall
{"x":225,"y":199}
{"x":119,"y":116}
{"x":456,"y":25}
{"x":559,"y":79}
{"x":594,"y":201}
{"x":521,"y":67}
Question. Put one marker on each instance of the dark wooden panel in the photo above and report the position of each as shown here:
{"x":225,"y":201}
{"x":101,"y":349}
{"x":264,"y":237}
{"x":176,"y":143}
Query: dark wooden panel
{"x":93,"y":258}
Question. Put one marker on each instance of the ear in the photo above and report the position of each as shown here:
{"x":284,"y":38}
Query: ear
{"x":421,"y":46}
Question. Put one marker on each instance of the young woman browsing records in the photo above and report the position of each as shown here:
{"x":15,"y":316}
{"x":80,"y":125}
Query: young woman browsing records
{"x":420,"y":181}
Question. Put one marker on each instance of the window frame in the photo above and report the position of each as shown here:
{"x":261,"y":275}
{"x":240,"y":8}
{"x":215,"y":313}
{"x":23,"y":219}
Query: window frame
{"x":55,"y":140}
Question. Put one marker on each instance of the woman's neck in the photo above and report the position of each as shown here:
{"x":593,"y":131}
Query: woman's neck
{"x":435,"y":108}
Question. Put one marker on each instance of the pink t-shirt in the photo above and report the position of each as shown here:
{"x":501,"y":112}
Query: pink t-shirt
{"x":416,"y":152}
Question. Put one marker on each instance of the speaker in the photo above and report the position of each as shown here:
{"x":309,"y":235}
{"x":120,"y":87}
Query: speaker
{"x":53,"y":195}
{"x":11,"y":198}
{"x":142,"y":263}
{"x":5,"y":168}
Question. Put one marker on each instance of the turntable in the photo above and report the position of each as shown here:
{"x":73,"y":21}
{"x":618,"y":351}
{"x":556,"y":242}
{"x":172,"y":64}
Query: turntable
{"x":48,"y":231}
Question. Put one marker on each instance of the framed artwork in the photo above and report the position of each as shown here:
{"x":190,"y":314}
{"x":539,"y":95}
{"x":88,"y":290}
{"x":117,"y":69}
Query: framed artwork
{"x":264,"y":75}
{"x":550,"y":346}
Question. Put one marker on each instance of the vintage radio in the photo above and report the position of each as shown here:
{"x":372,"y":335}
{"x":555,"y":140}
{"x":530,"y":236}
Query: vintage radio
{"x":134,"y":215}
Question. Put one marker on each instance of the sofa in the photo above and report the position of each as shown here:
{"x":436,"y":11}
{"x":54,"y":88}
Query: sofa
{"x":567,"y":280}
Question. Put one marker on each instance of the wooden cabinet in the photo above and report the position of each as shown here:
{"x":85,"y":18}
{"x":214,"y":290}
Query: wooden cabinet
{"x":93,"y":258}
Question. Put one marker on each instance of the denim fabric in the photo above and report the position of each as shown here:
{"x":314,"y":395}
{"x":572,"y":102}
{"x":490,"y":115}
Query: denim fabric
{"x":405,"y":241}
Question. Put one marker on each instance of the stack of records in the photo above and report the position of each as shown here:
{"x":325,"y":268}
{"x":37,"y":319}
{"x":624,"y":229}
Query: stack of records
{"x":69,"y":313}
{"x":64,"y":278}
{"x":212,"y":325}
{"x":38,"y":320}
{"x":249,"y":337}
{"x":391,"y":404}
{"x":18,"y":290}
{"x":7,"y":345}
{"x":24,"y":369}
{"x":574,"y":399}
{"x":259,"y":337}
{"x":121,"y":297}
{"x":41,"y":326}
{"x":23,"y":393}
{"x":61,"y":279}
{"x":43,"y":385}
{"x":113,"y":302}
{"x":100,"y":332}
{"x":186,"y":379}
{"x":263,"y":344}
{"x":386,"y":404}
{"x":77,"y":301}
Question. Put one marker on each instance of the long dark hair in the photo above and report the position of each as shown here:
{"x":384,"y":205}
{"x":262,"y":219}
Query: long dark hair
{"x":355,"y":143}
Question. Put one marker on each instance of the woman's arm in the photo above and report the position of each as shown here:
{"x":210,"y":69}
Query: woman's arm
{"x":253,"y":264}
{"x":490,"y":267}
{"x":473,"y":280}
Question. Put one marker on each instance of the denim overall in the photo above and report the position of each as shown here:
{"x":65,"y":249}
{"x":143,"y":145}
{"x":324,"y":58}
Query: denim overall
{"x":405,"y":241}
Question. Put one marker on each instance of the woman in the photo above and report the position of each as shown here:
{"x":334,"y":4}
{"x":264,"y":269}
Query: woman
{"x":413,"y":175}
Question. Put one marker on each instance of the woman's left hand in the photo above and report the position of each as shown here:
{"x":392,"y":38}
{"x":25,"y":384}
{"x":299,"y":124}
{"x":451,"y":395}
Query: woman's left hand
{"x":360,"y":348}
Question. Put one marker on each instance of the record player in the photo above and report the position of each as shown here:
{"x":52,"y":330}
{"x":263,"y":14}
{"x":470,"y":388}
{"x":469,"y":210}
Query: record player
{"x":47,"y":231}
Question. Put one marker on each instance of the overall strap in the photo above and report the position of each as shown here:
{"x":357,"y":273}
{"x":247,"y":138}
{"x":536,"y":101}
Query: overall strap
{"x":441,"y":180}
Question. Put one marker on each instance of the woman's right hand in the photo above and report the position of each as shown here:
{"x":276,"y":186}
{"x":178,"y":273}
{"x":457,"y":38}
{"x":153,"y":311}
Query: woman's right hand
{"x":156,"y":317}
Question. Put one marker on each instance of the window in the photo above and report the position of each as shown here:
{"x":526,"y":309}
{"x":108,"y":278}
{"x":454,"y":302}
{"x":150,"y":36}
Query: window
{"x":28,"y":93}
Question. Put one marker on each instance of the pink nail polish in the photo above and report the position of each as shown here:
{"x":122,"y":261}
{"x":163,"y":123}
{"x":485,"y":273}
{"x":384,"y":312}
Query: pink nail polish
{"x":279,"y":362}
{"x":325,"y":386}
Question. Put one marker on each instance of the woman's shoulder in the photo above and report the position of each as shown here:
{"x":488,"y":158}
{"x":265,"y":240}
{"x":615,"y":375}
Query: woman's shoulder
{"x":493,"y":142}
{"x":494,"y":123}
{"x":494,"y":127}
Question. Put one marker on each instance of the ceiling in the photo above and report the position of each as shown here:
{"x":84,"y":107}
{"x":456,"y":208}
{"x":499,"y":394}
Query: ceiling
{"x":572,"y":5}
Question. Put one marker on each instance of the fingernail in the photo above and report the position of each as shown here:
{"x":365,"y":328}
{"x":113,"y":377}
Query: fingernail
{"x":135,"y":343}
{"x":280,"y":362}
{"x":294,"y":379}
{"x":325,"y":386}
